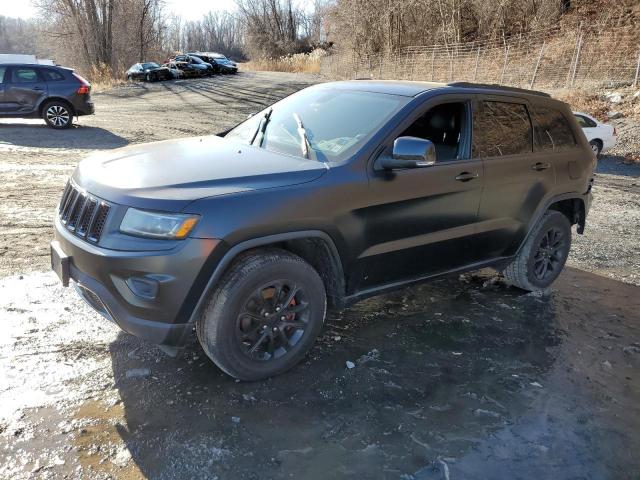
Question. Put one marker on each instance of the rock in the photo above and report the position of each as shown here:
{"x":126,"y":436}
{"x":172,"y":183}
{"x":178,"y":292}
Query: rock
{"x":606,"y":365}
{"x":235,"y":419}
{"x":122,"y":456}
{"x":536,"y":384}
{"x":350,"y":364}
{"x":631,"y":349}
{"x":613,"y":97}
{"x":613,"y":115}
{"x":138,"y":373}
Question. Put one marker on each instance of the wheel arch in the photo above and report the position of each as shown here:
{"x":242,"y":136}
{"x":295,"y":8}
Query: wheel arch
{"x":48,"y":100}
{"x":571,"y":205}
{"x":314,"y":246}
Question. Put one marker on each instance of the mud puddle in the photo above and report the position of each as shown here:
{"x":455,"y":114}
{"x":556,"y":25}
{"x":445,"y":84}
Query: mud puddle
{"x":462,"y":377}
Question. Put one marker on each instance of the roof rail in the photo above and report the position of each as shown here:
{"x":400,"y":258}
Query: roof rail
{"x":495,"y":86}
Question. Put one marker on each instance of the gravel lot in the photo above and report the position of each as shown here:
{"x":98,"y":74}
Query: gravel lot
{"x":460,"y":378}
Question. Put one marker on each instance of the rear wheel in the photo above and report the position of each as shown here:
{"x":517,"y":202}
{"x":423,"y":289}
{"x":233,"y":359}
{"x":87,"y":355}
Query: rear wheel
{"x":57,"y":115}
{"x":542,"y":257}
{"x":264,"y":315}
{"x":596,"y":146}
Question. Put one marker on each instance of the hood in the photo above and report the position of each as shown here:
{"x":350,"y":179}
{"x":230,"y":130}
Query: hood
{"x":171,"y":174}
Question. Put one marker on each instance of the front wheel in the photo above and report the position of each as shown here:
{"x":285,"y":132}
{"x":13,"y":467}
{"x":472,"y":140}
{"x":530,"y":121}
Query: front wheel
{"x":264,"y":315}
{"x":57,"y":115}
{"x":596,"y":146}
{"x":543,"y":255}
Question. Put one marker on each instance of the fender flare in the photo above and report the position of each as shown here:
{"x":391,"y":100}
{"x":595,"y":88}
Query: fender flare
{"x":545,"y":207}
{"x":243,"y":246}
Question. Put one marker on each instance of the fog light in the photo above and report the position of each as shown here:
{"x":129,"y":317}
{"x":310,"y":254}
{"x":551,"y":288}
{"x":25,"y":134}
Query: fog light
{"x":143,"y":287}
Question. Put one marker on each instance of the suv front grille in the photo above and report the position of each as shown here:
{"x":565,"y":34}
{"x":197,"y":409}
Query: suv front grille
{"x":83,"y":214}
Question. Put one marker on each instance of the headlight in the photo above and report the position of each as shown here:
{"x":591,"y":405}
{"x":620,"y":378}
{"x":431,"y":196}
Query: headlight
{"x":172,"y":226}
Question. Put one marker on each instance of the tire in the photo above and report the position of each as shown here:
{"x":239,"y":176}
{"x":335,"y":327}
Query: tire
{"x":148,"y":77}
{"x":543,"y":255}
{"x":57,"y":115}
{"x":596,"y":146}
{"x":266,"y":288}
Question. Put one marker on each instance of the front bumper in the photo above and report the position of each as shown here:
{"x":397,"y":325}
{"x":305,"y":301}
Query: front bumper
{"x":144,"y":293}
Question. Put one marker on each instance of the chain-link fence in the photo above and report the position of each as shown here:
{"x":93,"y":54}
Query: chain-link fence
{"x":549,"y":59}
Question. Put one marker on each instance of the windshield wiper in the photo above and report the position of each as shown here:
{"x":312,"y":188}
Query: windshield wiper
{"x":304,"y":140}
{"x":262,"y":126}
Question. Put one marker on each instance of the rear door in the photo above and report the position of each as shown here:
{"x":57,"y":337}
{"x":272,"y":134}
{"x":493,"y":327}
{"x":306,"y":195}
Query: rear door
{"x":25,"y":90}
{"x":517,"y":178}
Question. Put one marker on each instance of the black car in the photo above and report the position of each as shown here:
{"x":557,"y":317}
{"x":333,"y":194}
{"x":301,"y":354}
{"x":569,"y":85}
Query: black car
{"x":148,"y":72}
{"x":56,"y":94}
{"x":189,"y":70}
{"x":203,"y":68}
{"x":339,"y":192}
{"x":212,"y":68}
{"x":224,"y":64}
{"x":205,"y":57}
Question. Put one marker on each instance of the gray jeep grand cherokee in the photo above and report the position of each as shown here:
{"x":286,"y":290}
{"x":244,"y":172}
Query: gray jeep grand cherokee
{"x":334,"y":194}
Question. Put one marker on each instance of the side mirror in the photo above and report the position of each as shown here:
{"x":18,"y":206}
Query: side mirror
{"x":410,"y":152}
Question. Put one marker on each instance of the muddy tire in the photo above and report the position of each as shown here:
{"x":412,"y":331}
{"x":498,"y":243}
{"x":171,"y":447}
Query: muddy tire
{"x":596,"y":146}
{"x":57,"y":114}
{"x":543,"y":255}
{"x":264,"y":315}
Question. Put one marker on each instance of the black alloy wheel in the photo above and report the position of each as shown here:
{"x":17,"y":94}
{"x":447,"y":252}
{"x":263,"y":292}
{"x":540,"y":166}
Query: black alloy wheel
{"x":549,"y":258}
{"x":273,"y":320}
{"x":263,"y":315}
{"x":543,"y":255}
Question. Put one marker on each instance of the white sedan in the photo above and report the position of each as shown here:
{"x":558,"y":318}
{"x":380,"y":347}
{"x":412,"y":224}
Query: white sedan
{"x":601,"y":136}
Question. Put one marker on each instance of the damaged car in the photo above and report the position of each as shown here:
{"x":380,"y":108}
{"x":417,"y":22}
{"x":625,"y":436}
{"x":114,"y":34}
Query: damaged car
{"x":337,"y":193}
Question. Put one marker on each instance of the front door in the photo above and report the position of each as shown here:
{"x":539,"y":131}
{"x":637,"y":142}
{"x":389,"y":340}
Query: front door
{"x":422,"y":220}
{"x":24,"y":90}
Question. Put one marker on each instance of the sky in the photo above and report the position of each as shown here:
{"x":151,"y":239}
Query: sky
{"x":187,"y":9}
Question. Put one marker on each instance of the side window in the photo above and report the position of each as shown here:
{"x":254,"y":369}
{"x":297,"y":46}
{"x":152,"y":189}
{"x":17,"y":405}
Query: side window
{"x":52,"y":75}
{"x":501,"y":128}
{"x":585,"y":122}
{"x":553,"y":131}
{"x":2,"y":71}
{"x":24,"y":75}
{"x":445,"y":126}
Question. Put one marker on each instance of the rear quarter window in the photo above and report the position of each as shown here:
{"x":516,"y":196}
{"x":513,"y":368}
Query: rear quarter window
{"x":52,"y":75}
{"x":553,"y":132}
{"x":501,"y":128}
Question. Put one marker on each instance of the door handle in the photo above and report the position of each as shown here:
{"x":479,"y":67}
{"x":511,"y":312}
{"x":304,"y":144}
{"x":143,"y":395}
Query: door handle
{"x":466,"y":176}
{"x":538,"y":167}
{"x":38,"y":88}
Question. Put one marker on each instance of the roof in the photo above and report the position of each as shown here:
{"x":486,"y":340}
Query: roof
{"x":411,"y":88}
{"x":392,"y":87}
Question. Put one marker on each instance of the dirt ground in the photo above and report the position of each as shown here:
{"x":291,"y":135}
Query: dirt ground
{"x":460,"y":378}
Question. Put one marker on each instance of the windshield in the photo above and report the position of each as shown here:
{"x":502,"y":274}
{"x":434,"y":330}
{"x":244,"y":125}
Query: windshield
{"x":196,"y":60}
{"x":336,"y":122}
{"x":146,"y":66}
